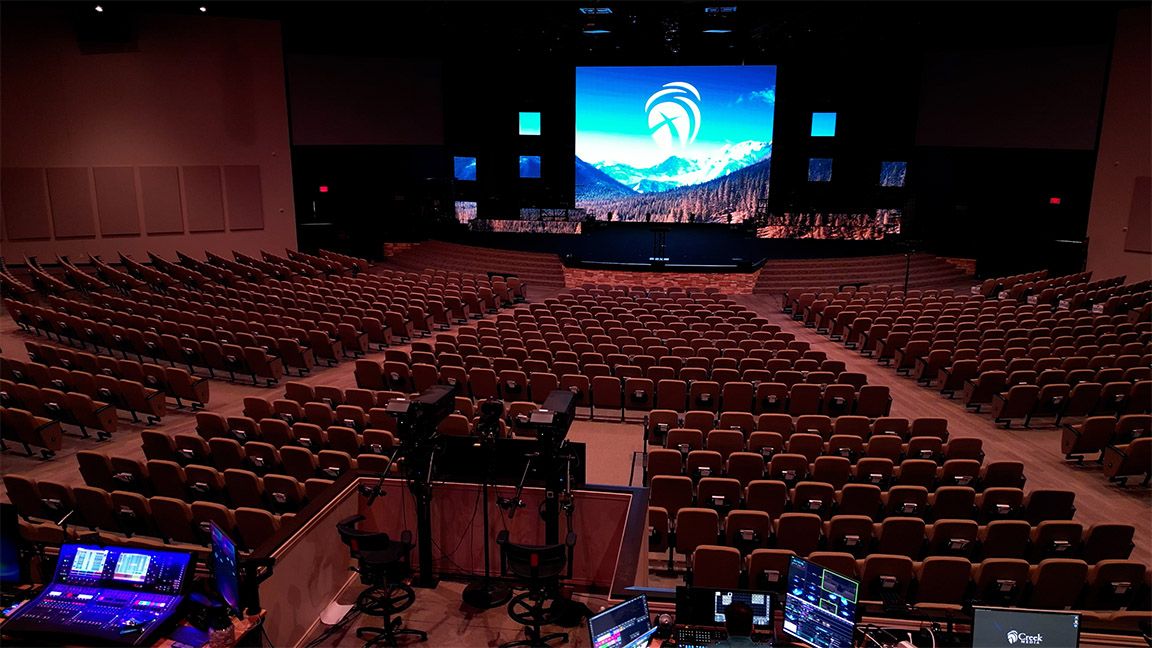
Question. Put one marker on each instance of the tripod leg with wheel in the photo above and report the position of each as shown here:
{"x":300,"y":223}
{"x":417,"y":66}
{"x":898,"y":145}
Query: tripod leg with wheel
{"x":384,"y":601}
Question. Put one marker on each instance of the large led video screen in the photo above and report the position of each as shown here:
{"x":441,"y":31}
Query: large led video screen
{"x":674,"y":144}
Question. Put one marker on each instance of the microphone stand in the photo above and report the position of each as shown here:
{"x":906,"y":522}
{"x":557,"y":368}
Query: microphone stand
{"x":486,"y":593}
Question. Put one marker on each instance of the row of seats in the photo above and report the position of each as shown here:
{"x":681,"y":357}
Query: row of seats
{"x":803,"y":533}
{"x":397,"y":368}
{"x":636,"y":394}
{"x":946,"y":583}
{"x":235,"y":488}
{"x":302,"y":450}
{"x":208,"y":352}
{"x":176,"y":382}
{"x":264,"y":454}
{"x":659,"y":422}
{"x":196,"y":481}
{"x":1011,"y":400}
{"x":72,"y":408}
{"x":1096,"y":433}
{"x":122,"y":516}
{"x":805,"y":458}
{"x":826,"y":498}
{"x":129,"y":395}
{"x":995,"y":285}
{"x":773,"y":496}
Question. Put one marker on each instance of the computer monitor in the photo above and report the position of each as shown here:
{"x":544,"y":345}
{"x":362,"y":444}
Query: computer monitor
{"x":820,"y":605}
{"x":225,"y":570}
{"x":9,"y":546}
{"x":992,"y":627}
{"x":760,"y":602}
{"x":625,"y":625}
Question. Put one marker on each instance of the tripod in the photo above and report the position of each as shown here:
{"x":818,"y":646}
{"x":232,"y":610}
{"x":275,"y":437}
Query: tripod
{"x":487,"y":593}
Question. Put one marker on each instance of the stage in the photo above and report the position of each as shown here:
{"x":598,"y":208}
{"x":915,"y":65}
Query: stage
{"x":673,"y":247}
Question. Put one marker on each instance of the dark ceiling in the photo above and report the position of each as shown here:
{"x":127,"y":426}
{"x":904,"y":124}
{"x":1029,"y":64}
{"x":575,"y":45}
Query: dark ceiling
{"x":641,"y":32}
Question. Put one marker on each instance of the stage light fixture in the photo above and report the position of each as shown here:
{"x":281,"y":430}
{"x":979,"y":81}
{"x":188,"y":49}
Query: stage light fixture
{"x":717,"y":19}
{"x":99,"y":9}
{"x":203,"y":9}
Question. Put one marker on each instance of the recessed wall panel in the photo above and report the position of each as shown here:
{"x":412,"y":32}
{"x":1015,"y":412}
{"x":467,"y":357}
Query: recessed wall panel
{"x":1139,"y":237}
{"x":243,"y":197}
{"x":160,"y":191}
{"x":204,"y":198}
{"x":70,"y":198}
{"x":24,"y":195}
{"x":116,"y":201}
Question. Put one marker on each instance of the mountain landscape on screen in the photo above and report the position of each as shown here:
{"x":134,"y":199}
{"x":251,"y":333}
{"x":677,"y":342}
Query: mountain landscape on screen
{"x":673,"y":143}
{"x":736,"y":192}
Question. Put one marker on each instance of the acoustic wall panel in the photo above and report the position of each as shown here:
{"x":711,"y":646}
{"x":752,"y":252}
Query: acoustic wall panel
{"x":160,"y":188}
{"x":24,"y":195}
{"x":70,"y":197}
{"x":204,"y":198}
{"x":116,"y":201}
{"x":1139,"y":238}
{"x":245,"y":202}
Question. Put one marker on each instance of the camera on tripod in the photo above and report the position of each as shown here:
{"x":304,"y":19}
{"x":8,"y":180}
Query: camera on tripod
{"x":554,"y":418}
{"x":417,"y":418}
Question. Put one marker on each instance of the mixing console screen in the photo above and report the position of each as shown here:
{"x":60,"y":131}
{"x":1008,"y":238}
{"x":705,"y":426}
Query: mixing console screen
{"x":141,"y":569}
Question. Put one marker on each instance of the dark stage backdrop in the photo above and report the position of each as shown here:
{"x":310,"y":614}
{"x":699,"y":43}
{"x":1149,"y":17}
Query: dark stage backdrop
{"x":360,"y":100}
{"x":1040,"y":98}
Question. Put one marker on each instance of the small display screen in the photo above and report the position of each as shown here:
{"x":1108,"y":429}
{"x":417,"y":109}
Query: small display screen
{"x":621,"y":626}
{"x":820,"y":607}
{"x":89,"y":561}
{"x":760,"y":602}
{"x":224,"y":569}
{"x":132,"y":567}
{"x":994,"y":627}
{"x":9,"y":545}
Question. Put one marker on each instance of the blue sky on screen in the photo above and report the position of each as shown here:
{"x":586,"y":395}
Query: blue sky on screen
{"x":616,"y":122}
{"x":464,"y":168}
{"x":823,"y":124}
{"x":529,"y":123}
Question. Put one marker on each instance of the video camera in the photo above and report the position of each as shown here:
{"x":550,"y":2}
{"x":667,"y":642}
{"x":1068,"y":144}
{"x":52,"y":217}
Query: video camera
{"x":418,"y":418}
{"x":554,"y":418}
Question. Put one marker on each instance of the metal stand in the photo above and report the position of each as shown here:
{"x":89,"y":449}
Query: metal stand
{"x":486,"y":593}
{"x":420,"y":484}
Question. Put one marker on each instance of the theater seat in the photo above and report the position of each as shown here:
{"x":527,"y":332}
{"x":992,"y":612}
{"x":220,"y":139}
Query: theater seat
{"x":942,"y":583}
{"x":1056,"y":583}
{"x":1131,"y":460}
{"x":716,"y":567}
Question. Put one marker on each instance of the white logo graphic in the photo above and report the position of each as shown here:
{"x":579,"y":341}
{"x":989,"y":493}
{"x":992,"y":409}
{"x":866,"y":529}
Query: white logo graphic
{"x":674,"y":115}
{"x":1015,"y":637}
